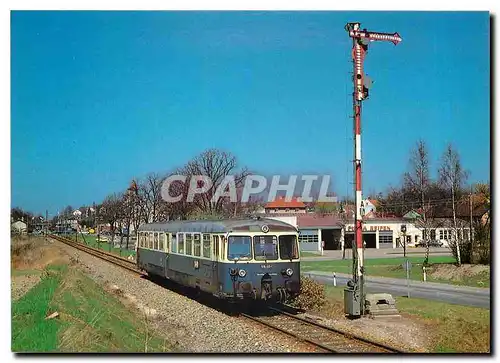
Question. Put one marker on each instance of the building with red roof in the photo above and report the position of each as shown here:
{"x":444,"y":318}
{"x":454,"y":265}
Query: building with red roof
{"x":281,"y":205}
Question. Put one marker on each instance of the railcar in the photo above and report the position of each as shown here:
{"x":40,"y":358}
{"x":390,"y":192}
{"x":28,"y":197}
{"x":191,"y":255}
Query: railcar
{"x":234,"y":259}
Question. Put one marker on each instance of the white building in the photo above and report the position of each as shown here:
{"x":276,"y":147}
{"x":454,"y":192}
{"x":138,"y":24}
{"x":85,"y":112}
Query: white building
{"x":18,"y":227}
{"x":314,"y":229}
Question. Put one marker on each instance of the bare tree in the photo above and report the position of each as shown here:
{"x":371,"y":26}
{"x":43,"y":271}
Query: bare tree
{"x":417,"y":180}
{"x":453,"y":176}
{"x":216,"y":165}
{"x":111,"y":211}
{"x":149,"y":197}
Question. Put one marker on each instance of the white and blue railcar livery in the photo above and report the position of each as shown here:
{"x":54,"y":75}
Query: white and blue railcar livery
{"x":233,"y":259}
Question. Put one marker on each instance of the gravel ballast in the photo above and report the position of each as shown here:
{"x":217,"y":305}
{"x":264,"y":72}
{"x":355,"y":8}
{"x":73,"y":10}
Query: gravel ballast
{"x":188,"y":325}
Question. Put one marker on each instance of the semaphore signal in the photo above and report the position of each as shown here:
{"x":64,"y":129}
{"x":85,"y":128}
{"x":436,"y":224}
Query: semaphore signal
{"x":360,"y":40}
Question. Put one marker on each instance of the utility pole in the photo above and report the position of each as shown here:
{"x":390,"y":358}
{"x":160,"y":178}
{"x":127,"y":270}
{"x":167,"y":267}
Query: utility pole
{"x":471,"y":235}
{"x":360,"y":40}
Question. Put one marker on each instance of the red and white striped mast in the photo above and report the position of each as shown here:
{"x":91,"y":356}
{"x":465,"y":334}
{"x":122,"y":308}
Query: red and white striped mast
{"x":360,"y":41}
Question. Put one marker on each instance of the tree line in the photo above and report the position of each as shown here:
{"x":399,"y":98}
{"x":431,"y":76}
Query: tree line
{"x":443,"y":199}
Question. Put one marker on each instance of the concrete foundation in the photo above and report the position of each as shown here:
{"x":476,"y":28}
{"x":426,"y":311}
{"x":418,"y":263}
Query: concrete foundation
{"x":381,"y":305}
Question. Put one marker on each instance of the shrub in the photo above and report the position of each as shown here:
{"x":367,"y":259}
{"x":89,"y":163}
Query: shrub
{"x":312,"y":294}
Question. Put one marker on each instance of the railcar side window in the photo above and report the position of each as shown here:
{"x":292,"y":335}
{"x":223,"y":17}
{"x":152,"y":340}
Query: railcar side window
{"x":173,"y":245}
{"x":181,"y":242}
{"x":265,"y":247}
{"x":156,"y":241}
{"x":167,"y":242}
{"x":206,"y":245}
{"x":288,"y":247}
{"x":216,"y":246}
{"x":189,"y":244}
{"x":162,"y":241}
{"x":222,"y":246}
{"x":196,"y":245}
{"x":239,"y":248}
{"x":150,"y":241}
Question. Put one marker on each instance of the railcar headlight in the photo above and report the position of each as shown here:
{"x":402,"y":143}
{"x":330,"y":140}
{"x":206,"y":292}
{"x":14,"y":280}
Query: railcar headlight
{"x":233,"y":272}
{"x":289,"y":272}
{"x":242,"y":273}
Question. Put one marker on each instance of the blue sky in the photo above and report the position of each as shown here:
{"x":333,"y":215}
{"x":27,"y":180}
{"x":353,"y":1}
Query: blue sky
{"x":99,"y":98}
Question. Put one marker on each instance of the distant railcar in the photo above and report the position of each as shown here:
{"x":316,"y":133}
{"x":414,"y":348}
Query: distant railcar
{"x":233,"y":259}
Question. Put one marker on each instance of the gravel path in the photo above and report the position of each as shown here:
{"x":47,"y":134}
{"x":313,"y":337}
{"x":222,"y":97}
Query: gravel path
{"x":186,"y":324}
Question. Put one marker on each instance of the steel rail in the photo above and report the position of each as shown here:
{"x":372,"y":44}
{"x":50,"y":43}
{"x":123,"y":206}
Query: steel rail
{"x":288,"y":332}
{"x":352,"y":336}
{"x":117,"y":260}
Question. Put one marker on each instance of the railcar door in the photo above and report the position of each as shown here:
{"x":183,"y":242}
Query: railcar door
{"x":169,"y":241}
{"x":215,"y":262}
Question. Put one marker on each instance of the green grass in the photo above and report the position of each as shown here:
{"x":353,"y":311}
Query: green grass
{"x":90,"y":320}
{"x":310,"y":254}
{"x":91,"y":240}
{"x":30,"y":331}
{"x":453,"y":328}
{"x":392,"y":267}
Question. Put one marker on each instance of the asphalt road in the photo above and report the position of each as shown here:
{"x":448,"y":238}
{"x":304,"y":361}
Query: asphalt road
{"x":461,"y":295}
{"x":380,"y":253}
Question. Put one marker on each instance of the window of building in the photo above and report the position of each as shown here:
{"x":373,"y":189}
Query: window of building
{"x":433,"y":234}
{"x":385,"y":239}
{"x":180,"y":242}
{"x":308,"y":238}
{"x":206,"y":245}
{"x":196,"y":245}
{"x":189,"y":244}
{"x":408,"y":239}
{"x":441,"y":234}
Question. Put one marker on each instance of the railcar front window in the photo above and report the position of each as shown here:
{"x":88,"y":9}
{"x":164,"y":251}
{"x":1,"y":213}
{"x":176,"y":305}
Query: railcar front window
{"x":288,"y":247}
{"x":239,"y":248}
{"x":265,"y":247}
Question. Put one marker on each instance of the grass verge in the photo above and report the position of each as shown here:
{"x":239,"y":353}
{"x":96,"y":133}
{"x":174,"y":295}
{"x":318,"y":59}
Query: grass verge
{"x":90,"y":319}
{"x":393,"y":267}
{"x":91,"y":240}
{"x":452,"y":328}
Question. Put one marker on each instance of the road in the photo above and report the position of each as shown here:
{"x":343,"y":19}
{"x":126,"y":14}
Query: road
{"x":461,"y":295}
{"x":380,"y":253}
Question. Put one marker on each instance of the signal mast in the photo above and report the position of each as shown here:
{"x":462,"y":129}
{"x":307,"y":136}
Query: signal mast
{"x":360,"y":41}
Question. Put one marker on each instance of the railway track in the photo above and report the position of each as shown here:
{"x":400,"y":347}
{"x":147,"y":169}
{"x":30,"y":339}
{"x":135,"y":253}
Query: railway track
{"x":325,"y":339}
{"x":110,"y":257}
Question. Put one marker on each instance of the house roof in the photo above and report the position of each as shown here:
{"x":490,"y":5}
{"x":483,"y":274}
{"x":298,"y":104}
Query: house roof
{"x":317,"y":220}
{"x":280,"y":202}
